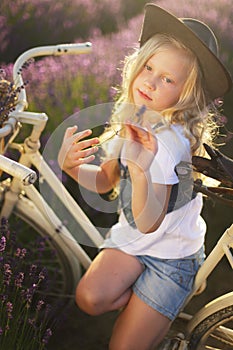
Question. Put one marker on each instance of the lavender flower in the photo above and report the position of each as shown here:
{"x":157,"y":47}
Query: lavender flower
{"x":24,"y":313}
{"x":9,"y":308}
{"x":39,"y":305}
{"x":48,"y":308}
{"x":2,"y":244}
{"x":32,"y":321}
{"x":29,"y":293}
{"x":23,"y":253}
{"x":20,"y":253}
{"x":222,"y":120}
{"x":19,"y":279}
{"x":4,"y":227}
{"x":7,"y":274}
{"x":32,"y":271}
{"x":3,"y":298}
{"x":218,"y":102}
{"x":42,"y":275}
{"x":46,"y":336}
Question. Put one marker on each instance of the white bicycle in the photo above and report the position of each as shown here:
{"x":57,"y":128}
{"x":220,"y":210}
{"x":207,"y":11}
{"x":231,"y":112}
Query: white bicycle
{"x":211,"y":327}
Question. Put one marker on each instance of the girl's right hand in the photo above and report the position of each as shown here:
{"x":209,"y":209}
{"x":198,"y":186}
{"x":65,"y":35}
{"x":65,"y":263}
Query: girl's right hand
{"x":74,"y":151}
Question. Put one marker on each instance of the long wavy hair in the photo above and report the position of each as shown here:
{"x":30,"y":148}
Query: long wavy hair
{"x":193,"y":110}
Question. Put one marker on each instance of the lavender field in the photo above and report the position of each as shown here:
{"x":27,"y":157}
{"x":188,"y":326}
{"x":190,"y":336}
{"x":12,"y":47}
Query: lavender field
{"x":62,"y":86}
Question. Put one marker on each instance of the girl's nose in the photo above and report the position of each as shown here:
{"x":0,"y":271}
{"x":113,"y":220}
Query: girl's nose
{"x":150,"y":84}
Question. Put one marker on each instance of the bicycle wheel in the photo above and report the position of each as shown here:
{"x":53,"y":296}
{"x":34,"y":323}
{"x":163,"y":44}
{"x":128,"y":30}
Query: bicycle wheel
{"x":215,"y":332}
{"x":62,"y":268}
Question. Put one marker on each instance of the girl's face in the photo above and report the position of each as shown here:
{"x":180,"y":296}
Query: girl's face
{"x":159,"y":85}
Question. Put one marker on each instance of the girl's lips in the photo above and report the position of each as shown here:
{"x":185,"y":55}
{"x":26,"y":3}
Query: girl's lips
{"x":144,"y":96}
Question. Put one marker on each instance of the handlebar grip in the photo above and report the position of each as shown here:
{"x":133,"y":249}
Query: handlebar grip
{"x":74,"y":49}
{"x":15,"y":169}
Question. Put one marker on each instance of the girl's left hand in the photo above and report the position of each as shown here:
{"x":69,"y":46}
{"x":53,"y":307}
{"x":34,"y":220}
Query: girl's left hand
{"x":141,"y":146}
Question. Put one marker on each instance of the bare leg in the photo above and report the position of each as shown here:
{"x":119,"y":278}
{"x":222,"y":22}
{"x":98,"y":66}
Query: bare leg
{"x":106,"y":285}
{"x":138,"y":327}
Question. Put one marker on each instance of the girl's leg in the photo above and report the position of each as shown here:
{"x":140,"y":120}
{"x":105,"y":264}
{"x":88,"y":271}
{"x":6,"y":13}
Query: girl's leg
{"x":138,"y":327}
{"x":106,"y":285}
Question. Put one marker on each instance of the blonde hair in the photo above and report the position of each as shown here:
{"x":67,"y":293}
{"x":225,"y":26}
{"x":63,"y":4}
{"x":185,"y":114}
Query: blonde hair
{"x":192,"y":109}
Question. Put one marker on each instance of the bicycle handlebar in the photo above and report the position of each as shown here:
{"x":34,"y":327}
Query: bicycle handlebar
{"x":15,"y":169}
{"x":52,"y":50}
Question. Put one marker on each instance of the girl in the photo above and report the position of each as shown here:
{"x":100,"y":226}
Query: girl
{"x":148,"y":262}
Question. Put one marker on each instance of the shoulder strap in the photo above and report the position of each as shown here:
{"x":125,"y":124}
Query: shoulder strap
{"x":182,"y":192}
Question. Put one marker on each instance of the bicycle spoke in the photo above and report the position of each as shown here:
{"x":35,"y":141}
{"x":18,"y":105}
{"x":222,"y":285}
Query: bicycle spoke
{"x":224,"y":335}
{"x":220,"y":339}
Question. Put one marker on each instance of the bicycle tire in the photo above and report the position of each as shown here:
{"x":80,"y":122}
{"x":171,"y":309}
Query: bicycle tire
{"x":60,"y":262}
{"x":209,"y":333}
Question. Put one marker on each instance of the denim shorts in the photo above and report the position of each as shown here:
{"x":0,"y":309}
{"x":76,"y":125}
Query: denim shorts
{"x":165,"y":284}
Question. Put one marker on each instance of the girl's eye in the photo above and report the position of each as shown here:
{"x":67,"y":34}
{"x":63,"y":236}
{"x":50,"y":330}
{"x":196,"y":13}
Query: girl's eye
{"x":167,"y":80}
{"x":147,"y":67}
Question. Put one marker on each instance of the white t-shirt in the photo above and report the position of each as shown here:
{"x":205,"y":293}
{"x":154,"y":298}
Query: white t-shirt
{"x":183,"y":230}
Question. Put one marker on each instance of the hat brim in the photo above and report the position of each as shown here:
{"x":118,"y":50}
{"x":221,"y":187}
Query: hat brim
{"x":157,"y":20}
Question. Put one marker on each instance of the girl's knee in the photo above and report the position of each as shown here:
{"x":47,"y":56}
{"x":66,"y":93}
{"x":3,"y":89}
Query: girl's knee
{"x":88,"y":300}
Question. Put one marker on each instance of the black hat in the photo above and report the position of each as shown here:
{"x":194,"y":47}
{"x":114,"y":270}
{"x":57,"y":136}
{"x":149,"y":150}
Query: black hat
{"x":198,"y":37}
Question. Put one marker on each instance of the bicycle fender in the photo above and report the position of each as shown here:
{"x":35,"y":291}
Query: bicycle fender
{"x":209,"y":309}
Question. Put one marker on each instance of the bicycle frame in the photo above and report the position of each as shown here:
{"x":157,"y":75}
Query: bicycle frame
{"x":43,"y":213}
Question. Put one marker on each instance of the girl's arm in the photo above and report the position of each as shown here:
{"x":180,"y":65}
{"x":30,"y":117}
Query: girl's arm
{"x":149,"y":201}
{"x":74,"y":158}
{"x":100,"y":179}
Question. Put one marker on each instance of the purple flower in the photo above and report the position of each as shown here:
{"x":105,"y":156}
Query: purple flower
{"x":19,"y":280}
{"x":9,"y":309}
{"x":48,"y":309}
{"x":20,"y":253}
{"x":46,"y":336}
{"x":39,"y":305}
{"x":3,"y":298}
{"x":28,"y":294}
{"x":23,"y":252}
{"x":7,"y":274}
{"x":222,"y":120}
{"x":42,"y":275}
{"x":218,"y":102}
{"x":4,"y":224}
{"x":32,"y":321}
{"x":32,"y":271}
{"x":2,"y":244}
